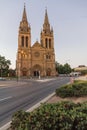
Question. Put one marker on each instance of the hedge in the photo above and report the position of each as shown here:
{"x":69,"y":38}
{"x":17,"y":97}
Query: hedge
{"x":59,"y":116}
{"x":77,"y":89}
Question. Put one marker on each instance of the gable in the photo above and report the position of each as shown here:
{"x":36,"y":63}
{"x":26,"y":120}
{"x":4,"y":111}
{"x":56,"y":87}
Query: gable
{"x":37,"y":45}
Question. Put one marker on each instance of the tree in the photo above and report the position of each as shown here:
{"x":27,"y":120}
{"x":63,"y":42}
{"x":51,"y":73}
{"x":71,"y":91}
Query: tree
{"x":67,"y":68}
{"x":4,"y":66}
{"x":63,"y":69}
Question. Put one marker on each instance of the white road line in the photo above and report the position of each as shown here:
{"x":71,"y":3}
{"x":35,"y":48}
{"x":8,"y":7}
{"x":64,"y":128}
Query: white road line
{"x":6,"y":126}
{"x":5,"y":98}
{"x":5,"y":87}
{"x":44,"y":80}
{"x":2,"y":84}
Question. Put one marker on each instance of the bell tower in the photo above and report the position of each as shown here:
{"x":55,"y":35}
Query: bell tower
{"x":24,"y":38}
{"x":47,"y":41}
{"x":23,"y":62}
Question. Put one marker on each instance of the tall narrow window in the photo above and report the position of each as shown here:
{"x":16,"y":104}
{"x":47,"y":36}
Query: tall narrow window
{"x":49,"y":43}
{"x":22,"y":41}
{"x":46,"y":42}
{"x":42,"y":43}
{"x":26,"y":41}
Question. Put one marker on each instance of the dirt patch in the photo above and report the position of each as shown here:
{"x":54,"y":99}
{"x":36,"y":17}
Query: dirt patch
{"x":55,"y":99}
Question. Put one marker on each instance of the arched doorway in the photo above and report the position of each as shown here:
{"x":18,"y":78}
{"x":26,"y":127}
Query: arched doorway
{"x":36,"y":72}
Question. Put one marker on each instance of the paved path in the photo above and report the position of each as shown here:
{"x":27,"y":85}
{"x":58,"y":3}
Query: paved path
{"x":82,"y":78}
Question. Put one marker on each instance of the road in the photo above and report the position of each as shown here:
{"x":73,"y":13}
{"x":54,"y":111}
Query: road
{"x":23,"y":95}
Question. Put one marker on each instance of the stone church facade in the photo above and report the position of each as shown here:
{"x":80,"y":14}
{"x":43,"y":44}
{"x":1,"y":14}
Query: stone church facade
{"x":38,"y":59}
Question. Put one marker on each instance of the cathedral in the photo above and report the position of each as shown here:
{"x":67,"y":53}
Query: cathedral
{"x":37,"y":60}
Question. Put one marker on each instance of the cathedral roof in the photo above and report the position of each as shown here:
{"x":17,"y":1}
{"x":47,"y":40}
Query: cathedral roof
{"x":37,"y":44}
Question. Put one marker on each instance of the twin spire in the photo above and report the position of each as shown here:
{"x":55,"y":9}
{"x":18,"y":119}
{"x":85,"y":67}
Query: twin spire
{"x":46,"y":25}
{"x":24,"y":17}
{"x":46,"y":20}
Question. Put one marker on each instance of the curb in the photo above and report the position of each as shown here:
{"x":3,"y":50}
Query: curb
{"x":6,"y":126}
{"x":39,"y":103}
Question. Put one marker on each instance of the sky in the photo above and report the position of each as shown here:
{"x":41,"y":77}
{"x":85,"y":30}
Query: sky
{"x":67,"y":17}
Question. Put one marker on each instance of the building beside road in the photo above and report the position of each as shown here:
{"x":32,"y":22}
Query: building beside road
{"x":80,"y":68}
{"x":38,"y":59}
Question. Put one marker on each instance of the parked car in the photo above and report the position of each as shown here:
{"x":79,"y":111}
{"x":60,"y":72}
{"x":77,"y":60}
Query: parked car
{"x":2,"y":79}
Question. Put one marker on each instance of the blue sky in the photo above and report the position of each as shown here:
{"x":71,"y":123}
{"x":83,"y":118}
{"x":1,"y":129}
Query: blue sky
{"x":69,"y":21}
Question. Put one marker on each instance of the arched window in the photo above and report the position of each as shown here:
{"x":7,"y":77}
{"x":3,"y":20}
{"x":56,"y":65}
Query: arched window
{"x":48,"y":57}
{"x":49,"y":43}
{"x":22,"y":41}
{"x":26,"y":41}
{"x":46,"y":42}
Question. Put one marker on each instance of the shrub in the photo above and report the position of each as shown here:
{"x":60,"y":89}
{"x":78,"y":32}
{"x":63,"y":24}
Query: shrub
{"x":20,"y":120}
{"x":77,"y":89}
{"x":59,"y":116}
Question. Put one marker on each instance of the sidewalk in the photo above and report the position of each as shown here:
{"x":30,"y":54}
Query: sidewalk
{"x":10,"y":83}
{"x":82,"y":78}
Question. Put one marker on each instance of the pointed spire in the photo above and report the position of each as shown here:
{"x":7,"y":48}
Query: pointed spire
{"x":46,"y":20}
{"x":24,"y":25}
{"x":46,"y":25}
{"x":24,"y":18}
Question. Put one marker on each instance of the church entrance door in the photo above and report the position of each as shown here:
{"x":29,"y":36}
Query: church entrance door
{"x":36,"y":73}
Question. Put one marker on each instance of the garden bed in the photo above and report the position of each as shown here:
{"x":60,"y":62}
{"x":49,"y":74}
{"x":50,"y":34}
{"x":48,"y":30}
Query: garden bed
{"x":59,"y":112}
{"x":55,"y":99}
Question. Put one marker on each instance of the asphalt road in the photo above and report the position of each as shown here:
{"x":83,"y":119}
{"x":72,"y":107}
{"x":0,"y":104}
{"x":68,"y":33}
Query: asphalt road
{"x":24,"y":94}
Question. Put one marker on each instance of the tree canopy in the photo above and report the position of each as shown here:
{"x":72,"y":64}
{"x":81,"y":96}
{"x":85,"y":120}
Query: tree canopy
{"x":63,"y":69}
{"x":4,"y":66}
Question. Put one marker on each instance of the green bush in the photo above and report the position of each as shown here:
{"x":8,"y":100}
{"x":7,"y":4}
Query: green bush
{"x":20,"y":120}
{"x":77,"y":89}
{"x":59,"y":116}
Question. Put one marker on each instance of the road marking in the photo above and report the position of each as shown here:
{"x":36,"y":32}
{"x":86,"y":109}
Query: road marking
{"x":6,"y":126}
{"x":5,"y":98}
{"x":44,"y":80}
{"x":4,"y":86}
